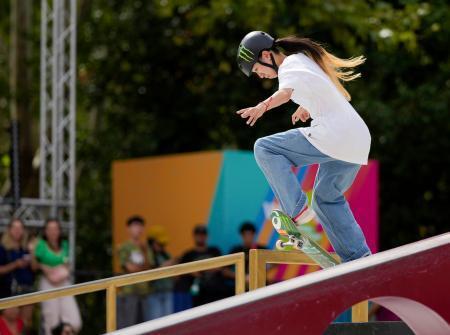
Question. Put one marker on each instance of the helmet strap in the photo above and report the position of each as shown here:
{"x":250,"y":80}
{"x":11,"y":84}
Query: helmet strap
{"x":273,"y":65}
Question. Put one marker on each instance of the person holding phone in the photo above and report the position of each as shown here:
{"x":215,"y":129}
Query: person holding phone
{"x":16,"y":273}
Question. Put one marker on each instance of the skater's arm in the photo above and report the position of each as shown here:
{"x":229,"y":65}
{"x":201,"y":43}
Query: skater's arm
{"x":279,"y":98}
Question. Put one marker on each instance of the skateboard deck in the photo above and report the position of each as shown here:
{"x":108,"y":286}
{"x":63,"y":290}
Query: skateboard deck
{"x":284,"y":226}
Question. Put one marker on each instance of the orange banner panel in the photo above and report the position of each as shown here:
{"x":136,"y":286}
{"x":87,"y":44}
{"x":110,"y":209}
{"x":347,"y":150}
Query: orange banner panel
{"x":173,"y":191}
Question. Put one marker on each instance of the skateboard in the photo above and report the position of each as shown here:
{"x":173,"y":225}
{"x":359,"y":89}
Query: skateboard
{"x":284,"y":226}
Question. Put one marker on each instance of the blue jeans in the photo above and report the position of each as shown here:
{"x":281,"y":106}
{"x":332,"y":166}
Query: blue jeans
{"x":276,"y":154}
{"x":159,"y":304}
{"x":131,"y":309}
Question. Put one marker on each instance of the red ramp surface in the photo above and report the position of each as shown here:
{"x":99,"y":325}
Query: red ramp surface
{"x":412,"y":281}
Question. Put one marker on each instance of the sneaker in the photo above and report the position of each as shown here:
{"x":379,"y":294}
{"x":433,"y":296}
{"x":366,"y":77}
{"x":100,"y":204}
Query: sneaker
{"x":306,"y":215}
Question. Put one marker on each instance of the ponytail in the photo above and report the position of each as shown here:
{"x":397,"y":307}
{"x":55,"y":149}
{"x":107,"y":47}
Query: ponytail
{"x":333,"y":66}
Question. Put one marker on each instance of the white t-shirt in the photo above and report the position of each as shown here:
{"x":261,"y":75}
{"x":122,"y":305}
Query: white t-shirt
{"x":336,"y":128}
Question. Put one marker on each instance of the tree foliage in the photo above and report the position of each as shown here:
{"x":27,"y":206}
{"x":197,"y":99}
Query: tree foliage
{"x":159,"y":76}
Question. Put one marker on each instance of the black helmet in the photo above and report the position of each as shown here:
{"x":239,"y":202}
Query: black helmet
{"x":250,"y":49}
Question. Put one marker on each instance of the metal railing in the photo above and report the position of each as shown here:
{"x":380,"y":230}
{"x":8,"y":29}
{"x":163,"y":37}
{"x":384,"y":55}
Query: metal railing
{"x":257,"y":278}
{"x":258,"y":274}
{"x":111,"y":284}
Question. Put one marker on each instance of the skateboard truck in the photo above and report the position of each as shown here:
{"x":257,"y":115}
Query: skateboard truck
{"x":293,"y":241}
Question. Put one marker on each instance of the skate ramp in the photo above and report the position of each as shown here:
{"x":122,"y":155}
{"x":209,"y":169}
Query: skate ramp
{"x":411,"y":280}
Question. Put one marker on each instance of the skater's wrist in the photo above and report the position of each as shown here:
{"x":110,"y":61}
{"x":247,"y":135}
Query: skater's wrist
{"x":261,"y":107}
{"x":265,"y":105}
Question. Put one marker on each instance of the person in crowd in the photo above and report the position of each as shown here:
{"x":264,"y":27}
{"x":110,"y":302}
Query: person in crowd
{"x":203,"y":287}
{"x":10,"y":322}
{"x":51,"y":257}
{"x":160,"y":301}
{"x":134,"y":256}
{"x":16,"y":274}
{"x":247,"y":231}
{"x":63,"y":328}
{"x":248,"y":234}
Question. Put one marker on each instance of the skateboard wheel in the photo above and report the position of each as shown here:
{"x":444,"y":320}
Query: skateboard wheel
{"x":279,"y":245}
{"x":298,"y":245}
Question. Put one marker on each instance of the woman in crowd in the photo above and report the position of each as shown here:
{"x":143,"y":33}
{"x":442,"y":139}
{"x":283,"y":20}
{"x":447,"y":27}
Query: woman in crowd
{"x":51,"y":256}
{"x":16,"y":275}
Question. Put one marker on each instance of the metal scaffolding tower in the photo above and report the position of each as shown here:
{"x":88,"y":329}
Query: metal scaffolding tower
{"x":57,"y":124}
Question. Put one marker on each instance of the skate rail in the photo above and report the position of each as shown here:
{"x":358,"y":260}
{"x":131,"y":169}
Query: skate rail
{"x":411,"y":281}
{"x":258,"y":274}
{"x":113,"y":283}
{"x":259,"y":258}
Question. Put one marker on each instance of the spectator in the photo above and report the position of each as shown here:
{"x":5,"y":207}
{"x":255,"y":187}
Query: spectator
{"x":10,"y":322}
{"x":204,"y":287}
{"x":248,"y":234}
{"x":63,"y":329}
{"x":134,"y":256}
{"x":51,"y":256}
{"x":160,"y":301}
{"x":16,"y":275}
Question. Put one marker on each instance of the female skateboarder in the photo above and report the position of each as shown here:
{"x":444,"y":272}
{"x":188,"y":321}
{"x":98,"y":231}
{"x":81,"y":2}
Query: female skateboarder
{"x":338,"y":139}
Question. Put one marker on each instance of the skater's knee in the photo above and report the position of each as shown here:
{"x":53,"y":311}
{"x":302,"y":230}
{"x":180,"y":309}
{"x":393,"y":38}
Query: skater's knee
{"x":260,"y":148}
{"x":259,"y":143}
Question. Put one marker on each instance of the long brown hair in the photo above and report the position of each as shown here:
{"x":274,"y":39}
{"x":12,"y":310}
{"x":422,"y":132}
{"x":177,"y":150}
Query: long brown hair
{"x":58,"y":223}
{"x":333,"y":66}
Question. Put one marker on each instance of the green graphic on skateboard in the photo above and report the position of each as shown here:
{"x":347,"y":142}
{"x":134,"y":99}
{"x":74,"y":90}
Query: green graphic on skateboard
{"x":284,"y":226}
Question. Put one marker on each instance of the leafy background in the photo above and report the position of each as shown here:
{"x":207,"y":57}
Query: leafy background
{"x":159,"y":77}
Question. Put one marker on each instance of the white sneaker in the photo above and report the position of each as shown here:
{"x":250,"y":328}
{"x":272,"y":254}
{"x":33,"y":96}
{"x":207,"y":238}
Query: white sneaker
{"x":306,"y":215}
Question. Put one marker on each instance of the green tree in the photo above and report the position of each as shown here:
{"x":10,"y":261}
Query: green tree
{"x":160,"y":77}
{"x":157,"y":77}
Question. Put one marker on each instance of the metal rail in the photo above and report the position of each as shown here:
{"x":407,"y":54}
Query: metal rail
{"x":258,"y":274}
{"x":111,"y":284}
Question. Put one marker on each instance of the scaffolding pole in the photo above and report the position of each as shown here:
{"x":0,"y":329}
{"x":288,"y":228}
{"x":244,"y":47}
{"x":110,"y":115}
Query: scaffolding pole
{"x":57,"y":125}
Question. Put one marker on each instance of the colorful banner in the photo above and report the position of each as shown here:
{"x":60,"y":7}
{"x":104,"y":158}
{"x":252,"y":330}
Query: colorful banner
{"x":222,"y":189}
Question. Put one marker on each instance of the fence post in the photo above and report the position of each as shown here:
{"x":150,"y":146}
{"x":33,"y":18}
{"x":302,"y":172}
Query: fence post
{"x":360,"y":312}
{"x":240,"y":275}
{"x":111,"y":310}
{"x":257,"y":271}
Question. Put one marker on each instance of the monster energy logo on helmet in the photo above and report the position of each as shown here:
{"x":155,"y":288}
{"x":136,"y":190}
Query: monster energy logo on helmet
{"x":250,"y":49}
{"x":245,"y":54}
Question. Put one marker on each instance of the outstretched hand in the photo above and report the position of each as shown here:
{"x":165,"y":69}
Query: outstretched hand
{"x":300,"y":114}
{"x":252,"y":113}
